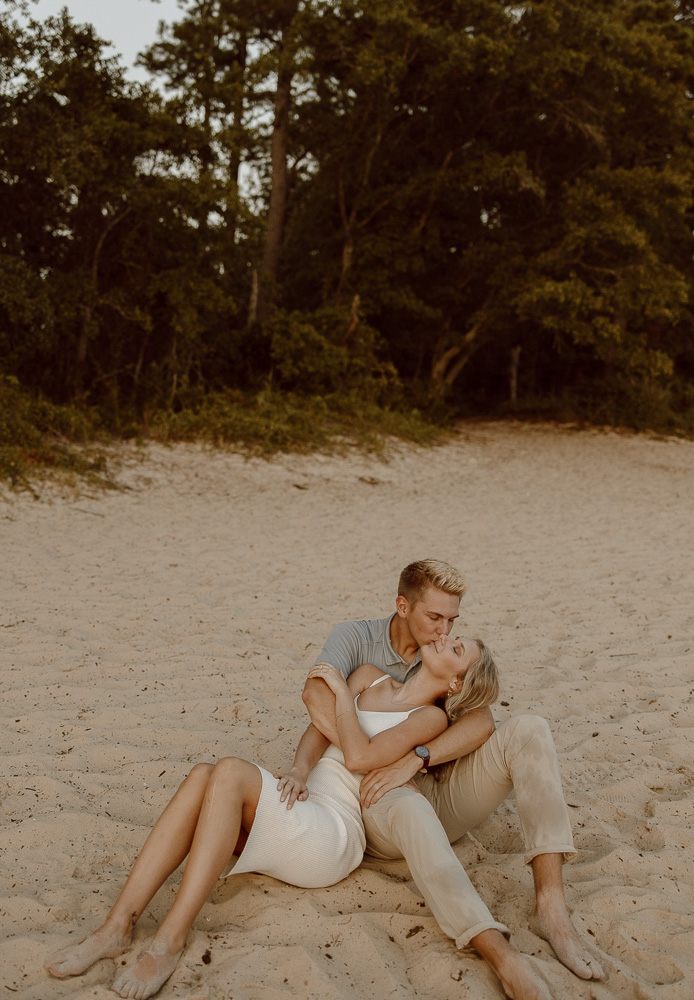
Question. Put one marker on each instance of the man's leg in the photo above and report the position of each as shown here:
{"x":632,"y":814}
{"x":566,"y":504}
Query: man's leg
{"x":404,"y":824}
{"x":551,"y":919}
{"x":521,"y":756}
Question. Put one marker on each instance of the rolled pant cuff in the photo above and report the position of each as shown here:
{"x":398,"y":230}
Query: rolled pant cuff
{"x":484,"y":925}
{"x":568,"y":850}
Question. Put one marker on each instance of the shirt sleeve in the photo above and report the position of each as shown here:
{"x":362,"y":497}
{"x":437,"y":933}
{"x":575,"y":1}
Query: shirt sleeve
{"x":343,"y":648}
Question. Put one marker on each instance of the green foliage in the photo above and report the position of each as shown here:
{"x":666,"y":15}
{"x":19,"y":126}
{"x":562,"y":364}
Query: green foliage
{"x":37,"y":436}
{"x":279,"y":421}
{"x":326,"y":352}
{"x":339,"y":199}
{"x":637,"y":403}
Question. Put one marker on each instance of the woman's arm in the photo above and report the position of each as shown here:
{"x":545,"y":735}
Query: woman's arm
{"x":312,"y":745}
{"x":461,"y":738}
{"x":292,"y":784}
{"x":361,"y":752}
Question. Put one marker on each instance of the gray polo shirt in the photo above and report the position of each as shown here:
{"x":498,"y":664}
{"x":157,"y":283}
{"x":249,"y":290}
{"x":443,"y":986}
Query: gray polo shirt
{"x":352,"y":643}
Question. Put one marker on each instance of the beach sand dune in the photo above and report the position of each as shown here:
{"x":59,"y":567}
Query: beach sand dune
{"x":174,"y":621}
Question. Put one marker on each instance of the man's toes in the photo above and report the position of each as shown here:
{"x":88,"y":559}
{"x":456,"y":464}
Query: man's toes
{"x":595,"y":968}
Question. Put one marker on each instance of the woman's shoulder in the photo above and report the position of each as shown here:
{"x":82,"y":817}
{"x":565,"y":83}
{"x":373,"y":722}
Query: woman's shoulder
{"x":364,"y":676}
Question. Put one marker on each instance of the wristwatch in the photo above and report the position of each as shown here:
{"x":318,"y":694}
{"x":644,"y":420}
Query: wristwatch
{"x":423,"y":755}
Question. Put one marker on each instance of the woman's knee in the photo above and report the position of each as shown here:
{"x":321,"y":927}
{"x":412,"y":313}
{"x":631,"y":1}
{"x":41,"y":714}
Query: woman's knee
{"x":237,"y":773}
{"x":199,"y":774}
{"x":228,"y":768}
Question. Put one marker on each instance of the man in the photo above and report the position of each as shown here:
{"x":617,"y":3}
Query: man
{"x":490,"y":762}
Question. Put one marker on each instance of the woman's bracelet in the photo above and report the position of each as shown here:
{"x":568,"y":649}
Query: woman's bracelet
{"x":346,"y":712}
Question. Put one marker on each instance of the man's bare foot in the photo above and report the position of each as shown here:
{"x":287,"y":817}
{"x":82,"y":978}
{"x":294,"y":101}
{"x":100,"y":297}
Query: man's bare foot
{"x":76,"y":959}
{"x":517,"y":978}
{"x":556,"y":928}
{"x":153,"y":968}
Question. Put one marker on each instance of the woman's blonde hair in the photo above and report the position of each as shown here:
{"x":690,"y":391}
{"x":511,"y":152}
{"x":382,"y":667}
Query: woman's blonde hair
{"x":480,"y":687}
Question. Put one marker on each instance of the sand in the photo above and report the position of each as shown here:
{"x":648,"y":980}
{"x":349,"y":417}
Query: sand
{"x":173,"y":621}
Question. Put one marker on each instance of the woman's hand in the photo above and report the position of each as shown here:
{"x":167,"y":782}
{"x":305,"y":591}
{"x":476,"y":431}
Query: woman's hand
{"x":292,"y":787}
{"x":332,"y":677}
{"x":400,"y":774}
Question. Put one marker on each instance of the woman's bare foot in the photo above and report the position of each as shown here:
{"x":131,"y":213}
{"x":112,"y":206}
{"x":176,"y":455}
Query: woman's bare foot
{"x":76,"y":959}
{"x":147,"y":977}
{"x":556,"y":928}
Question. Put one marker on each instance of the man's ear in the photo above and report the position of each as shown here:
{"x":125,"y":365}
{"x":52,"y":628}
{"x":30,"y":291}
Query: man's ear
{"x":402,"y":606}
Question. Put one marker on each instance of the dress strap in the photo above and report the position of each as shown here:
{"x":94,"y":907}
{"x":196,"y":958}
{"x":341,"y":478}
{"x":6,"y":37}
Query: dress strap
{"x":372,"y":684}
{"x":392,"y":711}
{"x":377,"y":681}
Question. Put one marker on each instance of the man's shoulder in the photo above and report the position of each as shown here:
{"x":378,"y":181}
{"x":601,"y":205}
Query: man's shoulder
{"x":366,"y":629}
{"x":352,"y":643}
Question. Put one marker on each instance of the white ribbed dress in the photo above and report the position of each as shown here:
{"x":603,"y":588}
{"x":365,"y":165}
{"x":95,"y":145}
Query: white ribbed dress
{"x":320,"y":841}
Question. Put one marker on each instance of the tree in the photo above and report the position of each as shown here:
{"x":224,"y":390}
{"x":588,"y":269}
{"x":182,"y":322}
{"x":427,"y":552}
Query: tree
{"x":508,"y":175}
{"x":87,"y":184}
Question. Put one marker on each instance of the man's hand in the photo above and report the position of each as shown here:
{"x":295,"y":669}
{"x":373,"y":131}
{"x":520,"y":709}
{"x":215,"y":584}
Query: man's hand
{"x":292,"y":786}
{"x":375,"y":784}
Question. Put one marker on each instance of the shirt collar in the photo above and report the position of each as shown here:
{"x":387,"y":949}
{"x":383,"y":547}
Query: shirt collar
{"x":394,"y":657}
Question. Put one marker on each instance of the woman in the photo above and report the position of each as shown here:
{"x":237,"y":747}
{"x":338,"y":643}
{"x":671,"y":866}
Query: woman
{"x":236,"y":808}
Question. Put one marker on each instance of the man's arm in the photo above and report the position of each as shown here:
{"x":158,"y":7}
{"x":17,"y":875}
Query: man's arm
{"x":342,"y":651}
{"x":320,"y":702}
{"x":461,"y":738}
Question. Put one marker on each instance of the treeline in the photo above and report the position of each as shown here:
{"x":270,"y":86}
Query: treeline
{"x":460,"y":206}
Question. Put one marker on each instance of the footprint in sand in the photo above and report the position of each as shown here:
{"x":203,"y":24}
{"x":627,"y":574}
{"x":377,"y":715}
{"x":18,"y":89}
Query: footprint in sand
{"x":654,"y":967}
{"x":675,"y":786}
{"x":649,"y":837}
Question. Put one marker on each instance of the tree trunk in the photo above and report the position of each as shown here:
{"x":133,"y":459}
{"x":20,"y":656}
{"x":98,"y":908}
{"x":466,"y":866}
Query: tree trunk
{"x":92,"y":298}
{"x":349,"y":219}
{"x":253,"y":302}
{"x":267,"y":277}
{"x":238,"y":107}
{"x":513,"y":374}
{"x":447,"y":363}
{"x":237,"y":131}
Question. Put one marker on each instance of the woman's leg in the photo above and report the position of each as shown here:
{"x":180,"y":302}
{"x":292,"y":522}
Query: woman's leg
{"x":164,"y":850}
{"x":229,"y":805}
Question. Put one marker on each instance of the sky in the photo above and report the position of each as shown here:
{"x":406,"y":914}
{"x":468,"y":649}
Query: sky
{"x":131,"y":25}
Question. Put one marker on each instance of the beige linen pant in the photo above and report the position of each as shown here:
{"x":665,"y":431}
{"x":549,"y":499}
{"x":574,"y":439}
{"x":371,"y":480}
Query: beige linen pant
{"x":521,"y":756}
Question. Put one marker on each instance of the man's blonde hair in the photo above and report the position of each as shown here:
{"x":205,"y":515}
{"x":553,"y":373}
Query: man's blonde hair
{"x":416,"y":579}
